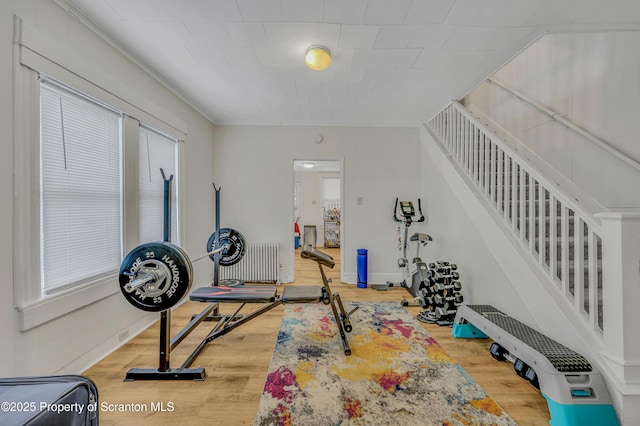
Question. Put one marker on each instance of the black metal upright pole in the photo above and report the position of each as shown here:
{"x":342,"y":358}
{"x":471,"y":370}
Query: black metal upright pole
{"x":167,"y":207}
{"x":216,"y":243}
{"x":165,"y":316}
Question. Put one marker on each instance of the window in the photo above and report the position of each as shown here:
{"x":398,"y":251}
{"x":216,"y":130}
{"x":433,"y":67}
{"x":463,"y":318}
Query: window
{"x":76,"y":178}
{"x":80,"y":187}
{"x":81,"y":212}
{"x":156,"y":152}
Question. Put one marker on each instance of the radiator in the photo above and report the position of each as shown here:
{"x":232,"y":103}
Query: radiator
{"x":260,"y":264}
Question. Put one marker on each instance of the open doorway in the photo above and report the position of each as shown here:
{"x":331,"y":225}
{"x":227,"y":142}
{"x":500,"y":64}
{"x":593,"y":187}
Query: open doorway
{"x":317,"y":205}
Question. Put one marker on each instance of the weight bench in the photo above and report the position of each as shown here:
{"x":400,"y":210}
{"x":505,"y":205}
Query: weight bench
{"x":268,"y":298}
{"x":575,"y":393}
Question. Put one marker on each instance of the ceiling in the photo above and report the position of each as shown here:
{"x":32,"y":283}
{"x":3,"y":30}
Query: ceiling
{"x":394,"y":62}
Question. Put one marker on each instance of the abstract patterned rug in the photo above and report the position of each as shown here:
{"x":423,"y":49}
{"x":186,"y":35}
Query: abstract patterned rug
{"x":397,"y":374}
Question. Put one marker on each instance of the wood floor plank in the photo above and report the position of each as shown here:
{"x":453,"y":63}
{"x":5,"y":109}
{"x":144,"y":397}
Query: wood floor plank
{"x":237,"y":365}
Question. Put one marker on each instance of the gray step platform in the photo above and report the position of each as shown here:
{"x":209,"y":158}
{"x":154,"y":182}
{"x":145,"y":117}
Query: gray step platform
{"x":575,"y":392}
{"x":560,"y":357}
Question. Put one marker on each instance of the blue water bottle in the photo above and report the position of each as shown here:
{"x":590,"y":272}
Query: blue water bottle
{"x":362,"y":268}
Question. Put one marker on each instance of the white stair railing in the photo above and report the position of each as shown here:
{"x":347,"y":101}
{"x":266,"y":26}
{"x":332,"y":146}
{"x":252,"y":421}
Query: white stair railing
{"x":561,"y":236}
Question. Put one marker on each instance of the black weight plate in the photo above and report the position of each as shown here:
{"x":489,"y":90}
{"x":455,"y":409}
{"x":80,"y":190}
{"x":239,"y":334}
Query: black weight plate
{"x":236,"y":242}
{"x":167,"y":260}
{"x":231,"y":282}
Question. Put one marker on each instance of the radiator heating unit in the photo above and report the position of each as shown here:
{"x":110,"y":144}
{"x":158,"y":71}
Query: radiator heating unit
{"x":260,"y":264}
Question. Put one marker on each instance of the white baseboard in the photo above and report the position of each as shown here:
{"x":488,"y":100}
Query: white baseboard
{"x":378,"y":278}
{"x":98,"y":353}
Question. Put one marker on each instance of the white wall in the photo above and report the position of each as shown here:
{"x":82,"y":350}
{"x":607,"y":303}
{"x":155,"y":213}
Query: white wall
{"x":74,"y":341}
{"x":589,"y":79}
{"x":254,"y":167}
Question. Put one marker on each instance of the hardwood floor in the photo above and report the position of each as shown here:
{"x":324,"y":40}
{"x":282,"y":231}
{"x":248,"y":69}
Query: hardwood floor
{"x":237,"y":364}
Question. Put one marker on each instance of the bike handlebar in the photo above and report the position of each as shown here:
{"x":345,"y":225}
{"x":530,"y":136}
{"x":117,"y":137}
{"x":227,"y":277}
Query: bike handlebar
{"x":395,"y":210}
{"x":420,"y":210}
{"x":407,"y":219}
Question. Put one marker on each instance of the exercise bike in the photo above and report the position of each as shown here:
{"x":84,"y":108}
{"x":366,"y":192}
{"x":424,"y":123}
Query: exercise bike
{"x":415,"y":274}
{"x":435,"y":287}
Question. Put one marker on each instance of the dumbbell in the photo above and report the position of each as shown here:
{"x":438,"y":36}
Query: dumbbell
{"x":523,"y":370}
{"x":443,"y":267}
{"x":447,"y":270}
{"x":424,"y":291}
{"x":444,"y":278}
{"x":498,"y":352}
{"x":438,"y":263}
{"x":442,"y":300}
{"x":428,"y":301}
{"x":445,"y":314}
{"x":443,"y":289}
{"x":453,"y":274}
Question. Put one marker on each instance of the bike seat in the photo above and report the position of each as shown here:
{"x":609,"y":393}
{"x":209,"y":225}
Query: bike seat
{"x":423,"y":238}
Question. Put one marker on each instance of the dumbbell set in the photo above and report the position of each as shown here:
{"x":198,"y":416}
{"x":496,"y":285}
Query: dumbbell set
{"x":441,"y":295}
{"x":521,"y":368}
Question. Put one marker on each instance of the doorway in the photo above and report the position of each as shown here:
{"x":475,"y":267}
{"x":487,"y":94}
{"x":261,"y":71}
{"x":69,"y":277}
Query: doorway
{"x":317,"y":205}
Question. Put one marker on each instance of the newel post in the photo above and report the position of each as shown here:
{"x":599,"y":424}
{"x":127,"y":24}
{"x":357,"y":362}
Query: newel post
{"x":621,"y":293}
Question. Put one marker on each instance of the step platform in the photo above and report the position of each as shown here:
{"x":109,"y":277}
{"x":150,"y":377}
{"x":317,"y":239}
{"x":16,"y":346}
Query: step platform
{"x":575,"y":392}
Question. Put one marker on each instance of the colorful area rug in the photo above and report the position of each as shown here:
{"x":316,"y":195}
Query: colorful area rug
{"x":397,"y":374}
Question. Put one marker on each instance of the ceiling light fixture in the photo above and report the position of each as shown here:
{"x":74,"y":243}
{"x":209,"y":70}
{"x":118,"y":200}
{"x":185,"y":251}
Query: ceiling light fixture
{"x":308,"y":165}
{"x":318,"y":58}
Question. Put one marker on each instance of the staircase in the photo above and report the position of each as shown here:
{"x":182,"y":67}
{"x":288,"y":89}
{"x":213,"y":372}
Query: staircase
{"x":541,"y":216}
{"x":585,"y":255}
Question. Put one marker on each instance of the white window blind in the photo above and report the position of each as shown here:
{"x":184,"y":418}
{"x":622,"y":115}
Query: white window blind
{"x":157,"y":151}
{"x":80,"y":188}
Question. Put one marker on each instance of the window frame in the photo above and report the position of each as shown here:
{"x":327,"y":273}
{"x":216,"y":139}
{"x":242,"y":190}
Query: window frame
{"x":35,"y":54}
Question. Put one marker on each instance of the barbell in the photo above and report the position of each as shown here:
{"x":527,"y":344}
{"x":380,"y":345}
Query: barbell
{"x":157,"y":275}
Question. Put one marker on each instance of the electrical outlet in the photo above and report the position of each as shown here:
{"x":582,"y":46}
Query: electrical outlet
{"x":123,"y":335}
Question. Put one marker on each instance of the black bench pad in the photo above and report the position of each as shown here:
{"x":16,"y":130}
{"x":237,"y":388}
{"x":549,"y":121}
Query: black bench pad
{"x":240,"y":294}
{"x":302,"y":294}
{"x":319,"y":256}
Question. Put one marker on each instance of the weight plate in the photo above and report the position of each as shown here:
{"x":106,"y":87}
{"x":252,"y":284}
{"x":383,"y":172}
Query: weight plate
{"x":236,"y":242}
{"x":231,"y":282}
{"x":173,"y":268}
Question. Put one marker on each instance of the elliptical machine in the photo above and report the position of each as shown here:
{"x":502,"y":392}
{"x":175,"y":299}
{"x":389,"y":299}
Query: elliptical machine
{"x":415,"y":274}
